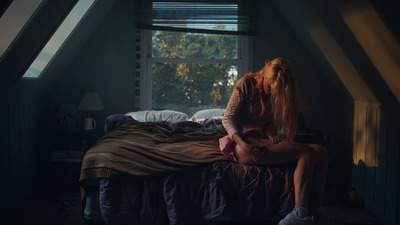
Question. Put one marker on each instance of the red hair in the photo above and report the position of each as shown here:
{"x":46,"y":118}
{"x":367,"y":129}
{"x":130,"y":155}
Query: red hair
{"x":283,"y":94}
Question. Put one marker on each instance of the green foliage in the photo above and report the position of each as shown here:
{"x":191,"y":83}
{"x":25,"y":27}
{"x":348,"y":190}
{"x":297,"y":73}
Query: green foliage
{"x":190,"y":86}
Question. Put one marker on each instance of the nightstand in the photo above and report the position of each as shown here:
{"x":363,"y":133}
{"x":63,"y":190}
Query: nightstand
{"x":72,"y":141}
{"x":64,"y":174}
{"x":67,"y":148}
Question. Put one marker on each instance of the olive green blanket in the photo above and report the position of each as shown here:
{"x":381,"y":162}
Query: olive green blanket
{"x":144,"y":149}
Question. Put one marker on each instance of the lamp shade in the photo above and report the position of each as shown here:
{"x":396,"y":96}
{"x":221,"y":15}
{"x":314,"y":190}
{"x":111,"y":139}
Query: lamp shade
{"x":91,"y":101}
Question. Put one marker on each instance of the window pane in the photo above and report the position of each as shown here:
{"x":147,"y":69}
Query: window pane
{"x":57,"y":40}
{"x":169,"y":44}
{"x":189,"y":87}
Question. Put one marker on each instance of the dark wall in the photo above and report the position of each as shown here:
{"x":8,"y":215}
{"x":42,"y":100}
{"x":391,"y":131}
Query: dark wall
{"x":355,"y":44}
{"x":105,"y":64}
{"x":19,"y":109}
{"x":28,"y":107}
{"x":327,"y":107}
{"x":18,"y":121}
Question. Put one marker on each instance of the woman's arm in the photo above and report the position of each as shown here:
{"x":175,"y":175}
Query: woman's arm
{"x":230,"y":120}
{"x":231,"y":115}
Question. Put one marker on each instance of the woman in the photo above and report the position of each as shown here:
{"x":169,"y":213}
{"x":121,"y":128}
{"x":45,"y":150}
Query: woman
{"x":267,"y":99}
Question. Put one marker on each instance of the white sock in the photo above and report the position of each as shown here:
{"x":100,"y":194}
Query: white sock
{"x":301,"y":212}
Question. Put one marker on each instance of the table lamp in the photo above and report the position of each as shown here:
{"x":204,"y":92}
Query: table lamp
{"x":91,"y":101}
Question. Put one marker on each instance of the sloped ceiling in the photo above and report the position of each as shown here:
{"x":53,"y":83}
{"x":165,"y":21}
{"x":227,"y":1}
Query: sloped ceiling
{"x":354,"y":44}
{"x":36,"y":33}
{"x":74,"y":45}
{"x":4,"y":5}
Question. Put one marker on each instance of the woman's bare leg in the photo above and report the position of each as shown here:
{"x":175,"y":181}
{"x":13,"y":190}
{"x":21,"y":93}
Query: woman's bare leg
{"x":320,"y":173}
{"x":288,"y":152}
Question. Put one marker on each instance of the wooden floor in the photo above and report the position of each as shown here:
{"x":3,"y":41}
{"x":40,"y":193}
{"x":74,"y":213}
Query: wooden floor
{"x":65,"y":209}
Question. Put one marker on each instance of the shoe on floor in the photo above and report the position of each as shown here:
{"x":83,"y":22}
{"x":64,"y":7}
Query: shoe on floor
{"x":294,"y":219}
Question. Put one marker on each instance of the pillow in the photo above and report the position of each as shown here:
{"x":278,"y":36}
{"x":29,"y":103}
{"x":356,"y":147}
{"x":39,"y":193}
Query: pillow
{"x":158,"y":115}
{"x":208,"y":114}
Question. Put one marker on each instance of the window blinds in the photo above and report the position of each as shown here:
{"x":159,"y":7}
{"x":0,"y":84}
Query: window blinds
{"x":223,"y":17}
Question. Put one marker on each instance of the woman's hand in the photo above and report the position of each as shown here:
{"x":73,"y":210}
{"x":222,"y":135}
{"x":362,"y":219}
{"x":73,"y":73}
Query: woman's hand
{"x":245,"y":148}
{"x":271,"y":136}
{"x":247,"y":153}
{"x":277,"y":139}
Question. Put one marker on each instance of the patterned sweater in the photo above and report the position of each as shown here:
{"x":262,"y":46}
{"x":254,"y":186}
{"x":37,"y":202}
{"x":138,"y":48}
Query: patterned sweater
{"x":244,"y":106}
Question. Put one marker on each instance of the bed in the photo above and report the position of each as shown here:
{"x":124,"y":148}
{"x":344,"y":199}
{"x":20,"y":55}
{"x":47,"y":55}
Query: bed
{"x":164,"y":167}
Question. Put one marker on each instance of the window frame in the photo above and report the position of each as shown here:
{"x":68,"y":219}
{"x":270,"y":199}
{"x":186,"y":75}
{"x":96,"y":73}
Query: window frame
{"x":244,"y":61}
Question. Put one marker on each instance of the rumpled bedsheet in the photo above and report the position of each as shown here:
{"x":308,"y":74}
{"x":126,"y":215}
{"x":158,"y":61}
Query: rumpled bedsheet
{"x":220,"y":190}
{"x":150,"y":148}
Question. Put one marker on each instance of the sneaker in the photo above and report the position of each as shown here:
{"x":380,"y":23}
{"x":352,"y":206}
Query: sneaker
{"x":294,"y":219}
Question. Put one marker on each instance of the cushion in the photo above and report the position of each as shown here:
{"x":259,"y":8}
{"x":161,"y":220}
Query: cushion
{"x":158,"y":115}
{"x":208,"y":114}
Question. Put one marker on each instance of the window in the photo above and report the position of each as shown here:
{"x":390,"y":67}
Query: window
{"x":58,"y":38}
{"x":191,"y":67}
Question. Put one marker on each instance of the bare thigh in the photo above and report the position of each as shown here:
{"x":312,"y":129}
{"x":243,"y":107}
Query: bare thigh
{"x":282,"y":152}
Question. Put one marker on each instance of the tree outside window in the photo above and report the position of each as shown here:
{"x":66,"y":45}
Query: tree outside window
{"x":190,"y":86}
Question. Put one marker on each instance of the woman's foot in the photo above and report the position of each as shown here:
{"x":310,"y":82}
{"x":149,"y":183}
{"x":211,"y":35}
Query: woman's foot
{"x":293,"y":218}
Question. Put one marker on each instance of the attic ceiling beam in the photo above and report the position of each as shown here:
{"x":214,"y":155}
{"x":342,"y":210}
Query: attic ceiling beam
{"x":4,"y":5}
{"x":32,"y":39}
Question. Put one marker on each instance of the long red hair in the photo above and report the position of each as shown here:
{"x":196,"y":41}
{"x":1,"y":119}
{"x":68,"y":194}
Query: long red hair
{"x":283,"y":94}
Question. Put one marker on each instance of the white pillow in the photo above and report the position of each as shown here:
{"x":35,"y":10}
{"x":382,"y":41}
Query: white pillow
{"x":208,"y":114}
{"x":158,"y":115}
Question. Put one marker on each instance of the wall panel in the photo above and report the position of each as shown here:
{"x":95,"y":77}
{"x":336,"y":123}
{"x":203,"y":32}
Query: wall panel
{"x":376,"y":159}
{"x":370,"y":155}
{"x":17,"y":150}
{"x":4,"y":155}
{"x":380,"y":180}
{"x":392,"y":165}
{"x":359,"y":151}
